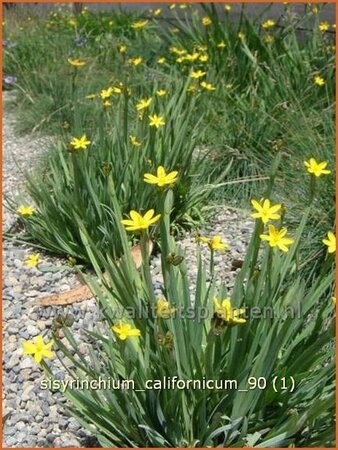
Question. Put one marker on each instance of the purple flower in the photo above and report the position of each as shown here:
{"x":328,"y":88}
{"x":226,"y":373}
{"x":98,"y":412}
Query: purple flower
{"x":80,"y":42}
{"x":8,"y":43}
{"x":10,"y":79}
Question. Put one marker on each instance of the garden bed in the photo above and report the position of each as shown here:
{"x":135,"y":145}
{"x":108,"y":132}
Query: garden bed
{"x":210,"y":142}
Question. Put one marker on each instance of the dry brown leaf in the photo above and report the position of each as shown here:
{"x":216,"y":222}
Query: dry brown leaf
{"x":82,"y":293}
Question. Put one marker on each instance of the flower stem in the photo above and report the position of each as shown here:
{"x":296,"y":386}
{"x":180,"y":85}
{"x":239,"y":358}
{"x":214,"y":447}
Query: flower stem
{"x":166,"y":206}
{"x":313,"y":186}
{"x":144,"y":243}
{"x":212,"y":264}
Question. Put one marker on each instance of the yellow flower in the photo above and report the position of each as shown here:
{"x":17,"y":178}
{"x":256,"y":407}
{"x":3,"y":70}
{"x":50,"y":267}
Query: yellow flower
{"x":134,"y":141}
{"x":72,"y":22}
{"x":156,"y":121}
{"x":207,"y":86}
{"x":143,"y":103}
{"x":206,"y":21}
{"x":191,"y":57}
{"x":161,"y":92}
{"x":241,"y":35}
{"x":137,"y":222}
{"x":172,"y":6}
{"x":214,"y":243}
{"x":76,"y":62}
{"x":204,"y":58}
{"x":90,"y":96}
{"x":106,"y":103}
{"x":268,"y":24}
{"x":183,"y":6}
{"x":38,"y":349}
{"x":157,"y":12}
{"x":267,"y":211}
{"x":161,"y":60}
{"x":139,"y":24}
{"x":277,"y":238}
{"x":268,"y":38}
{"x":197,"y":74}
{"x":221,"y":45}
{"x":33,"y":260}
{"x":227,"y":8}
{"x":163,"y":309}
{"x":324,"y":26}
{"x":25,"y":210}
{"x":226,"y":312}
{"x":125,"y":330}
{"x":178,"y":51}
{"x":121,"y":48}
{"x":202,"y":48}
{"x":80,"y":143}
{"x":106,"y":93}
{"x":330,"y":242}
{"x":117,"y":89}
{"x":135,"y":61}
{"x":316,"y":168}
{"x":162,"y":178}
{"x":319,"y":80}
{"x":333,"y":300}
{"x":192,"y":88}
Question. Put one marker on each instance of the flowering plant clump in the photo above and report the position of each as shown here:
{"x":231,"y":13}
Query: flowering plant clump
{"x":154,"y":126}
{"x":80,"y":180}
{"x":192,"y":335}
{"x":168,"y":92}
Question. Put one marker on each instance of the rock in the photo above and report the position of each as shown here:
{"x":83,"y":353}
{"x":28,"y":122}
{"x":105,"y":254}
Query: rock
{"x":73,"y":424}
{"x":12,"y":330}
{"x":13,"y":361}
{"x":32,"y":293}
{"x":32,"y":330}
{"x":27,"y":392}
{"x":41,"y":325}
{"x":27,"y":363}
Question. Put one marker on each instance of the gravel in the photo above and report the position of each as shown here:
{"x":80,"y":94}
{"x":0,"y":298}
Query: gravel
{"x":35,"y":417}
